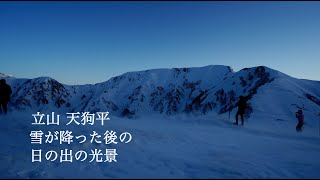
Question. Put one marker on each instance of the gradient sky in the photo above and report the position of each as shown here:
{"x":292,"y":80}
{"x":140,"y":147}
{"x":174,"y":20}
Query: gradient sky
{"x":90,"y":42}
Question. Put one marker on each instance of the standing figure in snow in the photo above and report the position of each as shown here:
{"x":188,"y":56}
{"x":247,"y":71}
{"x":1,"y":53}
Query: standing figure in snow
{"x":300,"y":117}
{"x":241,"y":108}
{"x":5,"y":92}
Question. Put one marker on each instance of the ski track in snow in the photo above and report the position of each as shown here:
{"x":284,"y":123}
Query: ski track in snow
{"x":180,"y":147}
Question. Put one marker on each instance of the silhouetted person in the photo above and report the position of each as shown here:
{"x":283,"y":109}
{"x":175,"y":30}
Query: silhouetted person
{"x":241,"y":108}
{"x":300,"y":117}
{"x":5,"y":92}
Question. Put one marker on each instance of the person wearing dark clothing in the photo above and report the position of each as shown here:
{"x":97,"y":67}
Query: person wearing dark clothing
{"x":300,"y":117}
{"x":241,"y":108}
{"x":5,"y":92}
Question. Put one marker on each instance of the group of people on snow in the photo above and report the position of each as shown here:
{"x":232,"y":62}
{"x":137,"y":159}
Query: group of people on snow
{"x":242,"y":105}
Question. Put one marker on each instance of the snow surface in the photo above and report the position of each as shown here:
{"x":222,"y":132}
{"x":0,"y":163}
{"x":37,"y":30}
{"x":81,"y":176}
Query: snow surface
{"x":181,"y":146}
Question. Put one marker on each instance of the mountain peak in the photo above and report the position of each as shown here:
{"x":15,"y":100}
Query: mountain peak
{"x":2,"y":75}
{"x":167,"y":91}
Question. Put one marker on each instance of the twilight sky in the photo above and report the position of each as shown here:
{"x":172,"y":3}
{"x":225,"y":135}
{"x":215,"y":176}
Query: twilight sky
{"x":90,"y":42}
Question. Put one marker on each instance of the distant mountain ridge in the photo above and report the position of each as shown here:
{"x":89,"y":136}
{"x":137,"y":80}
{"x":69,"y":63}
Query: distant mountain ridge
{"x":173,"y":91}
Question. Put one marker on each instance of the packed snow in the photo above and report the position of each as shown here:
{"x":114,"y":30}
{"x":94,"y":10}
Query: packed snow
{"x":180,"y":146}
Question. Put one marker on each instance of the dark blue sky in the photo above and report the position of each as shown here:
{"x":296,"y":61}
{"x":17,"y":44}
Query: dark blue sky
{"x":90,"y":42}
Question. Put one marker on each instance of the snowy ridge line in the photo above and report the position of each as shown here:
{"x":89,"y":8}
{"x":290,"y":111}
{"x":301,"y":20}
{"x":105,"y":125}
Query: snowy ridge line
{"x":168,"y":92}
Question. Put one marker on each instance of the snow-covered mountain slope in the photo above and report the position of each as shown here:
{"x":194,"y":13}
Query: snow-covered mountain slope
{"x":172,"y":91}
{"x":180,"y":125}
